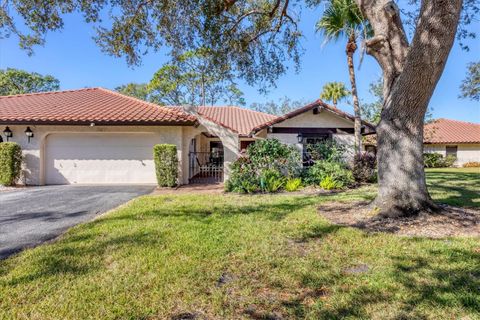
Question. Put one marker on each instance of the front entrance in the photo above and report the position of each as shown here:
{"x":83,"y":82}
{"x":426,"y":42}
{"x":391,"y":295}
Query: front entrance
{"x":207,"y":166}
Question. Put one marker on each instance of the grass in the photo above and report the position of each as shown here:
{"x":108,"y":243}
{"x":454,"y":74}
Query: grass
{"x":242,"y":257}
{"x":455,"y":186}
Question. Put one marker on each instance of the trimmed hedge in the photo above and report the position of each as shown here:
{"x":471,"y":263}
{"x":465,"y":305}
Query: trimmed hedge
{"x":166,"y":164}
{"x":364,"y":165}
{"x":436,"y":160}
{"x":10,"y":163}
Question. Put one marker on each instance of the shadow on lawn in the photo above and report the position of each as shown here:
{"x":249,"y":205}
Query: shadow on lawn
{"x":446,"y":278}
{"x":457,"y":189}
{"x":218,"y":209}
{"x":77,"y":255}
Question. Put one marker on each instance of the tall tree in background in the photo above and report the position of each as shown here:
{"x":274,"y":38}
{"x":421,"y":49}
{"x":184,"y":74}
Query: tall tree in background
{"x":278,"y":108}
{"x":372,"y":111}
{"x":334,"y":92}
{"x":189,"y":78}
{"x":193,"y":77}
{"x":15,"y":81}
{"x":470,"y":87}
{"x":255,"y":38}
{"x":137,"y":90}
{"x":342,"y":19}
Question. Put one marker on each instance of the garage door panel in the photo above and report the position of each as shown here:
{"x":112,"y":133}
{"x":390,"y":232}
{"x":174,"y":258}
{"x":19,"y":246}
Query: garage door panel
{"x":100,"y":158}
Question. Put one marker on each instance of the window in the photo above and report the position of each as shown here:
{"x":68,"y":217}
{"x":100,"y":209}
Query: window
{"x":312,"y":139}
{"x":245,"y":144}
{"x":452,"y":151}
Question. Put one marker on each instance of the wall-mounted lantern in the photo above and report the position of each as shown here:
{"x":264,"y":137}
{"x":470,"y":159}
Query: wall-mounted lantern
{"x":8,"y":133}
{"x":29,"y":134}
{"x":300,"y":137}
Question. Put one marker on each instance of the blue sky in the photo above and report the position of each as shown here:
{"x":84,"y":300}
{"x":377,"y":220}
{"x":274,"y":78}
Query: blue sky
{"x":72,"y":56}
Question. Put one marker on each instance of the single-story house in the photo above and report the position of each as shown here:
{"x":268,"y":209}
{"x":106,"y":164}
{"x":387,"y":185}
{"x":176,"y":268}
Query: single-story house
{"x":447,"y":137}
{"x":98,"y":136}
{"x":452,"y":137}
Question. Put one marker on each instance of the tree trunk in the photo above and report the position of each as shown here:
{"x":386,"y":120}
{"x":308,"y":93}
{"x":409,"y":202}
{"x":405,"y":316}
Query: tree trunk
{"x":351,"y":48}
{"x":411,"y":72}
{"x":401,"y":175}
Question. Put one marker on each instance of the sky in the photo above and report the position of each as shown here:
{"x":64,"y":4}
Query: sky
{"x":72,"y":56}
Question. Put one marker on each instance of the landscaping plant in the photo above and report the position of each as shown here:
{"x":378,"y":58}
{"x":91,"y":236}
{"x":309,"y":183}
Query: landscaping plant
{"x":364,"y":165}
{"x":271,"y":180}
{"x":265,"y":167}
{"x":328,"y":183}
{"x":471,"y":164}
{"x":436,"y":160}
{"x":329,"y":150}
{"x":293,"y":184}
{"x":166,"y":164}
{"x":10,"y":163}
{"x":335,"y":170}
{"x":242,"y":178}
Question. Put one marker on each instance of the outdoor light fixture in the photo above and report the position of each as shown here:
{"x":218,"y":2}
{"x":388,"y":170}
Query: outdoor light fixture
{"x":300,"y":137}
{"x":29,"y":134}
{"x":8,"y":133}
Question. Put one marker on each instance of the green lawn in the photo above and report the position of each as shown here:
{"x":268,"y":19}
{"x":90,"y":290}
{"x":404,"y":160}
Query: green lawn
{"x":455,"y":186}
{"x":244,"y":257}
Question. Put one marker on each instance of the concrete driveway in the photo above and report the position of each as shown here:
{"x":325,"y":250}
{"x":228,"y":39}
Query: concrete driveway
{"x":31,"y":216}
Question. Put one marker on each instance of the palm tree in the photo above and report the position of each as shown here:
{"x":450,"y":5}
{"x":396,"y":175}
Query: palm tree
{"x":342,"y":19}
{"x":334,"y":92}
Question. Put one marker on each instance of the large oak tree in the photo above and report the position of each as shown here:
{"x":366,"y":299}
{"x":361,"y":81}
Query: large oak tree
{"x":255,"y":38}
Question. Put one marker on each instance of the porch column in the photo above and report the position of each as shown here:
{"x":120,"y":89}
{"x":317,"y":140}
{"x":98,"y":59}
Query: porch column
{"x":230,"y":139}
{"x":231,"y":152}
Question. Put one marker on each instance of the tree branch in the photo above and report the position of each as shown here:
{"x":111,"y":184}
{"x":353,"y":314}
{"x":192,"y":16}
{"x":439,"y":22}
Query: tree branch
{"x":389,"y":46}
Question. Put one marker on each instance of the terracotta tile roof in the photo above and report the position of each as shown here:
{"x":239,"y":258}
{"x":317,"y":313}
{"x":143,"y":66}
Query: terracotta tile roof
{"x":316,"y":104}
{"x":238,"y":119}
{"x":444,"y":131}
{"x":84,"y":106}
{"x":451,"y":131}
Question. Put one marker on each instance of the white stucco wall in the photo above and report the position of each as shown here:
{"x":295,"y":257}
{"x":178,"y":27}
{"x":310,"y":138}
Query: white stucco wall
{"x":34,"y":152}
{"x":287,"y":138}
{"x":324,"y":119}
{"x":465,"y":152}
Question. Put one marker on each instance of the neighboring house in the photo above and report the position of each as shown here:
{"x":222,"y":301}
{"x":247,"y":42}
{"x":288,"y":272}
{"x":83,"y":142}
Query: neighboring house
{"x":452,"y":137}
{"x":447,"y":137}
{"x":97,"y":136}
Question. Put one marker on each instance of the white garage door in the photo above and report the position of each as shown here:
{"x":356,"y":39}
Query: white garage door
{"x":100,"y":158}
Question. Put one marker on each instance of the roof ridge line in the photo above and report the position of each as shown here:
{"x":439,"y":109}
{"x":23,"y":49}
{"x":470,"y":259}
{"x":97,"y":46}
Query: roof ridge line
{"x":455,"y":120}
{"x":48,"y":92}
{"x":154,"y":105}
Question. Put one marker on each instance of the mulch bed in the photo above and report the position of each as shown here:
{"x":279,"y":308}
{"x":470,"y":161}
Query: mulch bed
{"x":450,"y":221}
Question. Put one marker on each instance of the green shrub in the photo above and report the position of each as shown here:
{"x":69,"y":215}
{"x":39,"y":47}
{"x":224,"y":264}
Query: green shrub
{"x":328,"y":183}
{"x":293,"y":184}
{"x":272,"y":154}
{"x":364,"y":165}
{"x":271,"y":180}
{"x":10,"y":163}
{"x":242,"y":179}
{"x":337,"y":171}
{"x":264,"y":167}
{"x":166,"y":164}
{"x":449,"y":161}
{"x":436,"y":160}
{"x":328,"y":150}
{"x":471,"y":164}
